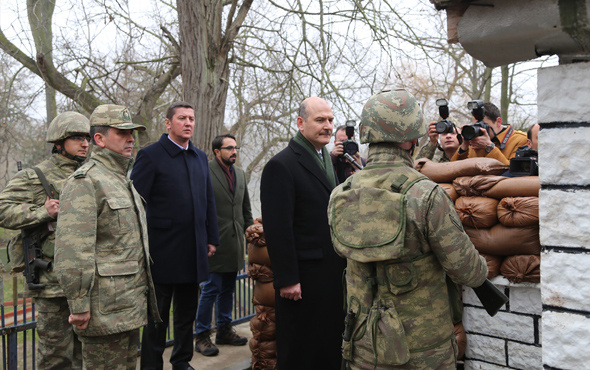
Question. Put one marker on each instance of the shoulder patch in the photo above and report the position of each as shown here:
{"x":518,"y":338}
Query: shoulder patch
{"x":82,"y":171}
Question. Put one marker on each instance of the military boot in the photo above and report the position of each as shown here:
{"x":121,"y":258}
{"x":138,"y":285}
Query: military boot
{"x":227,"y":335}
{"x":204,"y":345}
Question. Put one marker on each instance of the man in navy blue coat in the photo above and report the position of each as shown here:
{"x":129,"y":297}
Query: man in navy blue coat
{"x":173,"y":177}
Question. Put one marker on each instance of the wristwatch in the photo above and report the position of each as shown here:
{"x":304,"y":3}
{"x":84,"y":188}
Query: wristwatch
{"x":490,"y":147}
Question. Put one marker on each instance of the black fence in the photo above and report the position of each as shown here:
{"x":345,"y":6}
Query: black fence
{"x":18,"y":324}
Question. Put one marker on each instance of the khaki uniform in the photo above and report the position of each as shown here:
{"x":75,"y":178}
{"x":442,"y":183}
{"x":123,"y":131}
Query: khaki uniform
{"x":102,"y":257}
{"x":401,"y":304}
{"x":22,"y":205}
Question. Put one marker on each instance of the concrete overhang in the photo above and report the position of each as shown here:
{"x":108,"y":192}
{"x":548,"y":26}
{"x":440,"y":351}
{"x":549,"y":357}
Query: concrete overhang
{"x":500,"y":32}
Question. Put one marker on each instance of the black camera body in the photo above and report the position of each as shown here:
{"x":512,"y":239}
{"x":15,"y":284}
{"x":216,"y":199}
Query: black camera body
{"x":350,"y":146}
{"x":444,"y":126}
{"x":525,"y":162}
{"x":470,"y":132}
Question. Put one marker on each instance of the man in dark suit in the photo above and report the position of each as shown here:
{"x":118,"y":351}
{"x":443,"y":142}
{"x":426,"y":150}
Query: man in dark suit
{"x":294,"y":191}
{"x":173,"y":177}
{"x":234,"y":215}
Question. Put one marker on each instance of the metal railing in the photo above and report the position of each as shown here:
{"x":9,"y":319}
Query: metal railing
{"x":19,"y":337}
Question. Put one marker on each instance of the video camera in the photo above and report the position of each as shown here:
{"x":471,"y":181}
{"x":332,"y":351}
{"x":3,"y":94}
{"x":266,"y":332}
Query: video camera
{"x":525,"y":162}
{"x":478,"y":111}
{"x":350,"y":146}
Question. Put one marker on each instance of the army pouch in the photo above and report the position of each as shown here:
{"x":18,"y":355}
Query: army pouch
{"x":16,"y":254}
{"x":369,"y":224}
{"x":380,"y":336}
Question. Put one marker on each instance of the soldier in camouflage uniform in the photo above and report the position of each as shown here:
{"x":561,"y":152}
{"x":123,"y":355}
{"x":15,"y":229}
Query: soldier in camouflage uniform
{"x":25,"y":204}
{"x":401,"y":235}
{"x":101,"y":247}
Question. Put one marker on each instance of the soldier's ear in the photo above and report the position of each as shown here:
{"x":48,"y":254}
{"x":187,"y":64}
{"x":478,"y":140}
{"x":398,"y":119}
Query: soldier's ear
{"x":99,"y":139}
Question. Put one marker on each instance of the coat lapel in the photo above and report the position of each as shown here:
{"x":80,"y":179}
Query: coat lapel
{"x":309,"y":163}
{"x":217,"y":172}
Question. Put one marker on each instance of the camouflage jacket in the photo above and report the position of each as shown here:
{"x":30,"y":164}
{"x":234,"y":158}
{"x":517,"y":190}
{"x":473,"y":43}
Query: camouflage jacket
{"x":402,"y":304}
{"x":22,"y":204}
{"x":433,"y":153}
{"x":101,"y":247}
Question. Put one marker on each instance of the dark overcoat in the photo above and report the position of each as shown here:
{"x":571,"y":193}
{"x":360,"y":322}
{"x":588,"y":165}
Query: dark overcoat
{"x":180,"y":208}
{"x":294,"y":194}
{"x":234,"y":215}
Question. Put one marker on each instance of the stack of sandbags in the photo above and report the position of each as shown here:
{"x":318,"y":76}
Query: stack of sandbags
{"x":501,"y":216}
{"x":263,"y":343}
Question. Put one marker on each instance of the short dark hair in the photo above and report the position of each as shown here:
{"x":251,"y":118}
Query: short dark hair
{"x":177,"y":104}
{"x":98,"y":130}
{"x":492,"y":112}
{"x":302,"y":110}
{"x":218,"y":141}
{"x":529,"y":133}
{"x":339,"y":128}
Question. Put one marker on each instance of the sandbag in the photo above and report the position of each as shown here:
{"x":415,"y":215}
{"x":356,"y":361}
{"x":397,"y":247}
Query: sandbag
{"x":448,"y":171}
{"x":478,"y":212}
{"x":461,"y":338}
{"x":522,"y":268}
{"x":260,"y":273}
{"x":475,"y":186}
{"x":264,"y":294}
{"x":265,"y":313}
{"x":263,"y":330}
{"x":519,"y":211}
{"x":255,"y":234}
{"x":493,"y":263}
{"x":525,"y":186}
{"x":450,"y":190}
{"x":500,"y":240}
{"x":263,"y":349}
{"x":264,"y":364}
{"x":258,"y":255}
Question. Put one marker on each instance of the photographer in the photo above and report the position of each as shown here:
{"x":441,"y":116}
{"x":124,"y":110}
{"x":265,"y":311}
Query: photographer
{"x":494,"y":141}
{"x":533,"y":137}
{"x":448,"y":144}
{"x":342,"y":167}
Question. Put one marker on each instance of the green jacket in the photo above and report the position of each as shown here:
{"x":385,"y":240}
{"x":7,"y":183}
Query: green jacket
{"x":22,"y":204}
{"x":402,"y":303}
{"x":101,"y":247}
{"x":234,"y":215}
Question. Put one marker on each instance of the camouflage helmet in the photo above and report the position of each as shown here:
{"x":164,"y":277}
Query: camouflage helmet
{"x":112,"y":115}
{"x":392,"y":116}
{"x":65,"y":125}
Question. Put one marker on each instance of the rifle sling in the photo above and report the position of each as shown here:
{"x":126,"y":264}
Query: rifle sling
{"x":44,"y":182}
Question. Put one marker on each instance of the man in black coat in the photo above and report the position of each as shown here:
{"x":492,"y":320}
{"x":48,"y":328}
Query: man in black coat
{"x":173,"y":177}
{"x":294,"y":190}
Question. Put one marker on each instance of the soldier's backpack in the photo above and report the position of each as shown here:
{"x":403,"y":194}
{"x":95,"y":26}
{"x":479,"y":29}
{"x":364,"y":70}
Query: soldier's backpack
{"x":15,"y":249}
{"x":367,"y":216}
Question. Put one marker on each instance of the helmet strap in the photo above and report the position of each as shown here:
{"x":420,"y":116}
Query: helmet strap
{"x":62,"y":151}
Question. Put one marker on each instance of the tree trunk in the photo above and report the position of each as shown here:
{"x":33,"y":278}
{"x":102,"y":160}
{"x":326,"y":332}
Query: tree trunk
{"x":504,"y":101}
{"x":204,"y":58}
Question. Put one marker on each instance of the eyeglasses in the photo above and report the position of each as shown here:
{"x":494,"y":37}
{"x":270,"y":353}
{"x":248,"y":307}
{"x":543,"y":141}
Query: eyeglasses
{"x":80,"y":138}
{"x":230,"y":148}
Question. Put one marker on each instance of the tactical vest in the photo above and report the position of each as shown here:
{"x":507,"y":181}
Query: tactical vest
{"x":387,"y":287}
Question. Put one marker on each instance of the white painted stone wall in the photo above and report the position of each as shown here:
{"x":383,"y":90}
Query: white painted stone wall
{"x":564,"y":212}
{"x":512,"y":338}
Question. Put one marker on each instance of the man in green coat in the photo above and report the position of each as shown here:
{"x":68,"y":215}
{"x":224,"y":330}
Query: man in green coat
{"x":234,"y":215}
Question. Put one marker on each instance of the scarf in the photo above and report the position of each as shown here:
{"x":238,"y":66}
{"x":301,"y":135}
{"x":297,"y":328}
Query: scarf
{"x":325,"y":164}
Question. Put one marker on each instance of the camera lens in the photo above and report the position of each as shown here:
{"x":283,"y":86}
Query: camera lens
{"x":350,"y":147}
{"x":443,"y":127}
{"x":470,"y":132}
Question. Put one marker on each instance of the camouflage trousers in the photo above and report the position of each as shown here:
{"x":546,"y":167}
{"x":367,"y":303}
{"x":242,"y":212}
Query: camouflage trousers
{"x":115,"y":351}
{"x":443,"y":357}
{"x":59,"y":347}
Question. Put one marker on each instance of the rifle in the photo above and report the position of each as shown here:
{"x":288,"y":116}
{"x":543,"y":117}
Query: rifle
{"x":32,"y":239}
{"x":490,"y":297}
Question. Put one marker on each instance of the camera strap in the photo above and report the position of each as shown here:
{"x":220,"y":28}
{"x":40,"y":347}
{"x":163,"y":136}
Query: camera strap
{"x":508,"y":134}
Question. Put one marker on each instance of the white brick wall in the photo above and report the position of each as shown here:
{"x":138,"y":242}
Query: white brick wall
{"x":510,"y":339}
{"x":564,"y":214}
